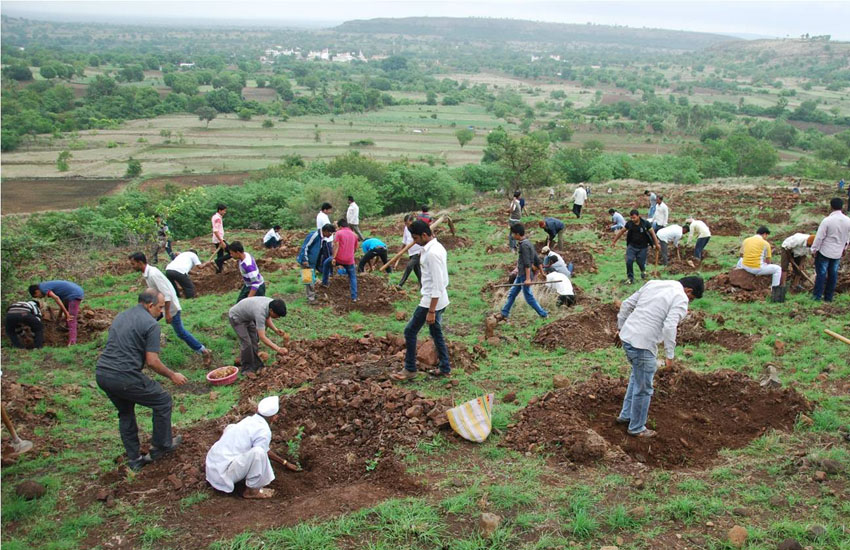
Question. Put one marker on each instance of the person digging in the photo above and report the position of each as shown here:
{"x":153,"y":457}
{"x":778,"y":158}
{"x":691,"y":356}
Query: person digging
{"x":649,"y":316}
{"x":527,"y":262}
{"x":242,"y":453}
{"x":795,"y":250}
{"x":249,"y":319}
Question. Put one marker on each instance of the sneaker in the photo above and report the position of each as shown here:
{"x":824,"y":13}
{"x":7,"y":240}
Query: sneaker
{"x":629,"y":282}
{"x":621,"y":420}
{"x":438,"y":373}
{"x":208,"y":357}
{"x":643,"y":275}
{"x":647,"y":433}
{"x":157,"y":453}
{"x":404,"y":374}
{"x":139,"y":463}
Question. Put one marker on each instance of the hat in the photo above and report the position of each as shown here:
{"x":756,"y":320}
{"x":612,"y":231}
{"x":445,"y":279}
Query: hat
{"x":269,"y":406}
{"x":545,"y":250}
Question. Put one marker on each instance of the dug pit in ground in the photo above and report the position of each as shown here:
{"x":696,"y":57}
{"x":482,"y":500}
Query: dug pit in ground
{"x":374,"y":294}
{"x":596,"y":327}
{"x":90,"y":323}
{"x":343,"y":434}
{"x":207,"y":281}
{"x":740,"y":285}
{"x":695,"y":415}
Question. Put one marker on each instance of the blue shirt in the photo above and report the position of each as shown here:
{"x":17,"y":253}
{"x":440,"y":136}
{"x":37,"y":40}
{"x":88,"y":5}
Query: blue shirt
{"x":552,"y":226}
{"x":369,"y":244}
{"x":66,"y":290}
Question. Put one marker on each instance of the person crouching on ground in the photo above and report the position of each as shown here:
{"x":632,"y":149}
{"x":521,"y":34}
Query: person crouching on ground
{"x":649,"y":316}
{"x":249,"y":319}
{"x":272,"y":238}
{"x":242,"y":453}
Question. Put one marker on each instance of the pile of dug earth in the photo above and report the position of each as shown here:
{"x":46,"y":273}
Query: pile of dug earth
{"x":694,"y":414}
{"x":90,"y":323}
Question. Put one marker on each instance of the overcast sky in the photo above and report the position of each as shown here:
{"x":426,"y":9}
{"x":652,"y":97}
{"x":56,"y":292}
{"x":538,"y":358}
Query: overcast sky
{"x":767,"y":18}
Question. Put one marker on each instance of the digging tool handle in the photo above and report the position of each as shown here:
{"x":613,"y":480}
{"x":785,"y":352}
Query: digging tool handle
{"x":397,"y":256}
{"x":521,"y":284}
{"x":837,"y":336}
{"x":796,"y":268}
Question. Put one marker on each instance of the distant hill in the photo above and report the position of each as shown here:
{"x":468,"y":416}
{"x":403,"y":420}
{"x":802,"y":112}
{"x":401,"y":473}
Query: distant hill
{"x":502,"y":30}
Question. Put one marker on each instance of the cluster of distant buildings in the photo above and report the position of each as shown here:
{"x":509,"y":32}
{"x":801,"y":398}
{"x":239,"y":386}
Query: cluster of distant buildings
{"x":322,"y":55}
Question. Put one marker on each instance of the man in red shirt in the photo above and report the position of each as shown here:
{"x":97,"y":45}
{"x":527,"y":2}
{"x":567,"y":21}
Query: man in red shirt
{"x":345,"y":243}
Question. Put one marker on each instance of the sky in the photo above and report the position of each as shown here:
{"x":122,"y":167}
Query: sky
{"x":774,"y":18}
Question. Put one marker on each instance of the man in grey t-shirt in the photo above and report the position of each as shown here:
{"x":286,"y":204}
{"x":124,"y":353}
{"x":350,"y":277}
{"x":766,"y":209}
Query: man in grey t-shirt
{"x":526,"y":263}
{"x":133,"y":342}
{"x":249,"y":319}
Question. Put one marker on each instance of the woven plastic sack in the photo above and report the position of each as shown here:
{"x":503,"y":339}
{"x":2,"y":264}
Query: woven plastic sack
{"x":473,"y":419}
{"x":307,"y":276}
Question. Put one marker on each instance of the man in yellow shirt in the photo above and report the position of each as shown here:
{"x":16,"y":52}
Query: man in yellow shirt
{"x":755,"y":259}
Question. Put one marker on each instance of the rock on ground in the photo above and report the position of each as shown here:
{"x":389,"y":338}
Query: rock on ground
{"x":488,"y":523}
{"x":737,"y":536}
{"x":30,"y":490}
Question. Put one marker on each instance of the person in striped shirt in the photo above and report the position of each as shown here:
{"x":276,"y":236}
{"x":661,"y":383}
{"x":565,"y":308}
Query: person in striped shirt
{"x":254,"y":283}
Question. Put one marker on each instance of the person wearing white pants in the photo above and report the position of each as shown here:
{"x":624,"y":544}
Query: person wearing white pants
{"x":755,"y":259}
{"x":242,"y":454}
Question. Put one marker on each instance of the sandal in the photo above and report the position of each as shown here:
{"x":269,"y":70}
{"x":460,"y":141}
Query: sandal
{"x":647,"y":433}
{"x":263,"y":493}
{"x":437,"y":373}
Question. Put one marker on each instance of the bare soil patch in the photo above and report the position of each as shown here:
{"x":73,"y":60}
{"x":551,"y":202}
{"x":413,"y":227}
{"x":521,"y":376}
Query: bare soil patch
{"x":450,"y":242}
{"x":592,"y":329}
{"x":727,"y":227}
{"x":580,"y":256}
{"x":374,"y":294}
{"x":695,"y":415}
{"x":729,"y":285}
{"x":90,"y":323}
{"x":36,"y":195}
{"x":207,"y":281}
{"x":196,"y":180}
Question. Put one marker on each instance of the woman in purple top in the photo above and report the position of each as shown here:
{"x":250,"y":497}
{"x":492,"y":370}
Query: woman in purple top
{"x":68,"y":296}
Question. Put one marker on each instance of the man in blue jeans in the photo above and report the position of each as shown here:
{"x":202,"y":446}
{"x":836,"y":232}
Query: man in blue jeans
{"x":526,"y":262}
{"x":649,"y":316}
{"x":345,"y":241}
{"x":435,"y":298}
{"x":831,"y":240}
{"x":639,"y":237}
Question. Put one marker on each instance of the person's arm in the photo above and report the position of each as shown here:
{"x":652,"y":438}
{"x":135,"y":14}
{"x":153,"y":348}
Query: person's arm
{"x":153,"y":361}
{"x":618,"y":235}
{"x":261,"y":334}
{"x":58,"y":300}
{"x":654,"y":238}
{"x":167,"y":311}
{"x":270,"y":324}
{"x":627,"y":307}
{"x":334,"y":251}
{"x":218,"y":234}
{"x":819,"y":237}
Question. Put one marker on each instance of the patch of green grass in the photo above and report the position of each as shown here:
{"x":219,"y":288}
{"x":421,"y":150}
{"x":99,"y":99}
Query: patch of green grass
{"x":507,"y":497}
{"x":301,"y":537}
{"x":618,"y":518}
{"x":195,"y":498}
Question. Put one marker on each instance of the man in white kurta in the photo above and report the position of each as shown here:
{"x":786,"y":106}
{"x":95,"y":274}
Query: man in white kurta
{"x":242,"y":453}
{"x":563,"y":286}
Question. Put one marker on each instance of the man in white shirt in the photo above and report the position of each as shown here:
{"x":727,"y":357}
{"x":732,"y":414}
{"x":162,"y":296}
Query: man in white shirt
{"x":272,"y":238}
{"x":579,"y":198}
{"x":552,"y":261}
{"x":662,"y":214}
{"x":413,"y":253}
{"x":323,"y":218}
{"x":831,"y":240}
{"x":563,"y":286}
{"x":671,"y":234}
{"x":699,"y":230}
{"x":157,"y":281}
{"x":435,"y":298}
{"x":794,"y":251}
{"x":352,"y":216}
{"x":649,"y":316}
{"x":243,"y":453}
{"x":178,"y":272}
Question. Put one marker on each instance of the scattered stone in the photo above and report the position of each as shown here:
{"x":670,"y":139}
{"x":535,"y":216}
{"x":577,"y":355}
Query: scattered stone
{"x":740,"y":512}
{"x":213,"y":395}
{"x":638,"y":512}
{"x":789,"y":544}
{"x":30,"y":490}
{"x":509,"y":397}
{"x":770,"y":378}
{"x":400,"y":315}
{"x":560,"y":381}
{"x":357,"y":328}
{"x":609,"y":548}
{"x":639,"y":484}
{"x":103,"y":494}
{"x":820,"y":476}
{"x":494,"y":341}
{"x":806,"y":421}
{"x":817,"y":531}
{"x":779,"y":347}
{"x":426,"y":353}
{"x":175,"y":482}
{"x":619,"y":541}
{"x":414,"y":412}
{"x":737,"y":536}
{"x":746,"y":281}
{"x":830,"y":466}
{"x":488,"y":523}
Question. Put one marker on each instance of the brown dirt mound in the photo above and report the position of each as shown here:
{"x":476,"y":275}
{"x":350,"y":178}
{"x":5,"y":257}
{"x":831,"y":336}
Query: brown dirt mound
{"x":692,"y":330}
{"x":592,"y":329}
{"x":695,"y":415}
{"x":374,"y":294}
{"x":727,"y":227}
{"x":207,"y":281}
{"x":90,"y":323}
{"x":122,"y":267}
{"x":726,"y":284}
{"x":338,"y":357}
{"x":450,"y":242}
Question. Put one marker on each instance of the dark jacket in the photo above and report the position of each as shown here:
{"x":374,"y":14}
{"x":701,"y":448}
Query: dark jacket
{"x":552,"y":226}
{"x":311,"y":249}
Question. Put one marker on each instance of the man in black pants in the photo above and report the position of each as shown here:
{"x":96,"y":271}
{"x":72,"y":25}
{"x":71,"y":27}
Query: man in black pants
{"x":639,"y":237}
{"x":373,"y":248}
{"x":21,"y":315}
{"x":413,"y":253}
{"x":222,"y":254}
{"x":133,"y":342}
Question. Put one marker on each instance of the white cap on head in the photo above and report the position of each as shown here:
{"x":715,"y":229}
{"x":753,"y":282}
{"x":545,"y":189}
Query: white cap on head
{"x":269,"y":406}
{"x":545,"y":250}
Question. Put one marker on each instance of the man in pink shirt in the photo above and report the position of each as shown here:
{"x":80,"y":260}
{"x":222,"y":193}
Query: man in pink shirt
{"x":218,"y":237}
{"x":345,"y":243}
